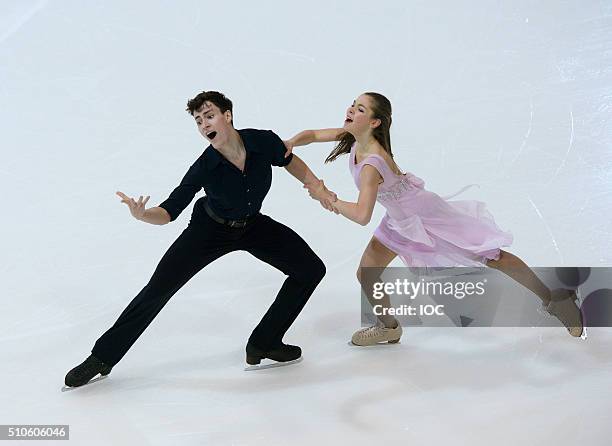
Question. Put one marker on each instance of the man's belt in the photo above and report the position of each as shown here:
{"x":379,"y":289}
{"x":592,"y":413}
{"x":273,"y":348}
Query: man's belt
{"x":224,"y":221}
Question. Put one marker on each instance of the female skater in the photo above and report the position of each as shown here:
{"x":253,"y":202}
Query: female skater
{"x":420,"y":227}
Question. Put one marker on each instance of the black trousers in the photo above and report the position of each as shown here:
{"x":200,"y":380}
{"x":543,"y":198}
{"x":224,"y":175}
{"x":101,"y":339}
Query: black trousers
{"x":197,"y":246}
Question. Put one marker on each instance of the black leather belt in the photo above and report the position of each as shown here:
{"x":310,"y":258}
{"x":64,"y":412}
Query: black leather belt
{"x":224,"y":221}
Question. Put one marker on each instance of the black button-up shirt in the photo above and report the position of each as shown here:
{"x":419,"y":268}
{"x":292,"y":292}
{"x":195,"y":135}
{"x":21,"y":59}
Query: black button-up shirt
{"x":231,"y":194}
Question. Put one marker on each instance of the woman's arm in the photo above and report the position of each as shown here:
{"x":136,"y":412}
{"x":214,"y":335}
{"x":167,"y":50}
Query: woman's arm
{"x":322,"y":135}
{"x":306,"y":137}
{"x":361,"y":212}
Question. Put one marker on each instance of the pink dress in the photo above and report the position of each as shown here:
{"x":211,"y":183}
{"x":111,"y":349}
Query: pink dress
{"x":425,"y":229}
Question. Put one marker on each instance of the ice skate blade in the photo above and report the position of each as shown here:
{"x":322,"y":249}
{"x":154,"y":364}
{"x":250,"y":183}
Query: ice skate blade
{"x":91,"y":381}
{"x":271,"y":365}
{"x":380,"y":344}
{"x":583,"y":336}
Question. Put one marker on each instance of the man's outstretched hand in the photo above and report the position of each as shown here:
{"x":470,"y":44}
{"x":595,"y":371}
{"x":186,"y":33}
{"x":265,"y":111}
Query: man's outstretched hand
{"x":137,"y":209}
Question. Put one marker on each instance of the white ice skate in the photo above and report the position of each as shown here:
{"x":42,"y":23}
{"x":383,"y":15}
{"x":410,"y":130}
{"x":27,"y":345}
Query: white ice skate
{"x":564,"y":305}
{"x":377,"y":334}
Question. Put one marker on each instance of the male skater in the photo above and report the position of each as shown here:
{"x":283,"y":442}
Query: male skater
{"x":235,"y":172}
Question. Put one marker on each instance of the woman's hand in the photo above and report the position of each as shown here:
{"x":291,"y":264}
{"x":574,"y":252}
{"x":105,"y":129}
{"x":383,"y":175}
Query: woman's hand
{"x":136,"y":208}
{"x":289,"y":144}
{"x":320,"y":192}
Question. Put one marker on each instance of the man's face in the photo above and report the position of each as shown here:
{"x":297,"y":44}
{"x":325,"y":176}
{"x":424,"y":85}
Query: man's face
{"x":212,"y":124}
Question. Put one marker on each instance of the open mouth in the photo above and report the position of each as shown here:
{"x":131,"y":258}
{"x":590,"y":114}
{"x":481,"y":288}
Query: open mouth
{"x":211,"y":135}
{"x":348,"y":120}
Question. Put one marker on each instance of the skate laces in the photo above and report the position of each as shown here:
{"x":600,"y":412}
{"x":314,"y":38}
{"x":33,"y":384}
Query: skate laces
{"x":373,"y":331}
{"x":370,"y":331}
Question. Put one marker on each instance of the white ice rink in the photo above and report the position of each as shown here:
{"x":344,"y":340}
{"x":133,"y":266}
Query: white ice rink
{"x":513,"y":95}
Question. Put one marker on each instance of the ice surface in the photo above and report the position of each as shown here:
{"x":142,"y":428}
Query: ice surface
{"x":515,"y":96}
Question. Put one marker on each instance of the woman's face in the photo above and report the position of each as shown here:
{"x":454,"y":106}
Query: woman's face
{"x":359,"y":116}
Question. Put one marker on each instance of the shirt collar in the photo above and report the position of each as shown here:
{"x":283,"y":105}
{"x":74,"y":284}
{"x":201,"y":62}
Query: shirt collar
{"x":213,"y":157}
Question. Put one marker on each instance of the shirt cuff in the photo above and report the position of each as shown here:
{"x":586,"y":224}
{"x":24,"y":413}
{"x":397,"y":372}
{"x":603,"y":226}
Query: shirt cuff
{"x":286,"y":161}
{"x":169,"y":210}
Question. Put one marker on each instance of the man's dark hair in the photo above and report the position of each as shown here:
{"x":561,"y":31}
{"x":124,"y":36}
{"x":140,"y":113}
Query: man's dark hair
{"x":215,"y":97}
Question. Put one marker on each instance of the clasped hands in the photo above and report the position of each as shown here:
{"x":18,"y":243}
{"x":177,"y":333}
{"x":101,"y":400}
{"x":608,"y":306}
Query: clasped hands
{"x":318,"y":191}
